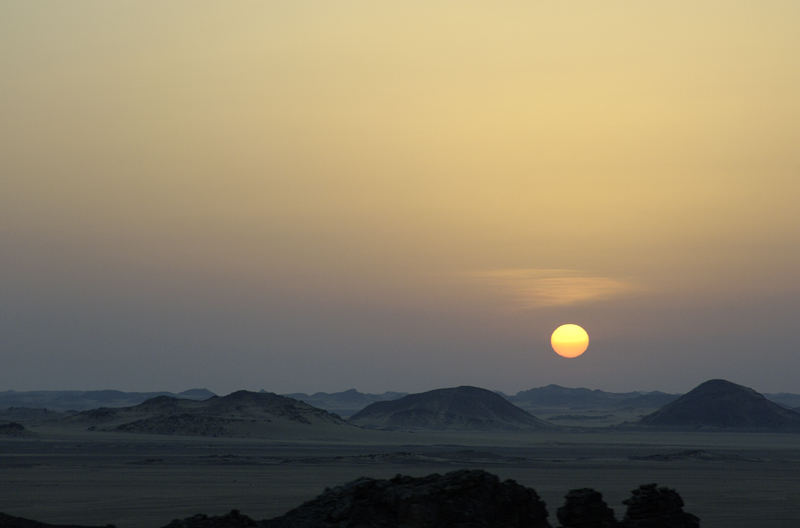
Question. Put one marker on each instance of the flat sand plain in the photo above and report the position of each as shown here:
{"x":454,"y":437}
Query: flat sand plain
{"x":143,"y":481}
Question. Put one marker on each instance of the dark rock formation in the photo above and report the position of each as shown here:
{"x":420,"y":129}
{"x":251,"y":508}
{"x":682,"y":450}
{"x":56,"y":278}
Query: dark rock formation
{"x":239,"y":414}
{"x":720,"y":404}
{"x":14,"y":429}
{"x":9,"y":521}
{"x":183,"y":424}
{"x":464,"y":499}
{"x":465,"y":408}
{"x":585,"y":508}
{"x":234,"y":519}
{"x":460,"y":499}
{"x":654,"y":507}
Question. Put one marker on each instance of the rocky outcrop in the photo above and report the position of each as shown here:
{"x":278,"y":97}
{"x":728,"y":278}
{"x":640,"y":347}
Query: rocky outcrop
{"x":460,"y":499}
{"x":585,"y":508}
{"x":466,"y":499}
{"x":239,"y":414}
{"x":654,"y":507}
{"x":184,"y":424}
{"x":13,"y":429}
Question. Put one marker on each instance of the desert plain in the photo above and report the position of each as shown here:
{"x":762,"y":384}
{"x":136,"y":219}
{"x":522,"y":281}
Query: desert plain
{"x":60,"y":475}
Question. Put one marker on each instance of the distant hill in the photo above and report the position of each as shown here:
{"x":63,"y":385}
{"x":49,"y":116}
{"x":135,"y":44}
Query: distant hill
{"x":84,"y":400}
{"x":9,"y":521}
{"x":29,"y":416}
{"x":344,"y":403}
{"x":577,"y":398}
{"x":786,"y":399}
{"x":464,"y":408}
{"x":720,"y":404}
{"x":239,"y":414}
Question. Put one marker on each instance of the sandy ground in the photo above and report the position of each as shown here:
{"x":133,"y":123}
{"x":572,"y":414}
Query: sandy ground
{"x":142,"y":481}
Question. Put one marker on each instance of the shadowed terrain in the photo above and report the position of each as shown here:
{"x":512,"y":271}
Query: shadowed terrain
{"x":725,"y":405}
{"x":454,"y":408}
{"x":345,"y":403}
{"x":463,"y":499}
{"x":13,"y":429}
{"x":84,"y":400}
{"x":556,"y":395}
{"x":264,"y":454}
{"x":241,"y":413}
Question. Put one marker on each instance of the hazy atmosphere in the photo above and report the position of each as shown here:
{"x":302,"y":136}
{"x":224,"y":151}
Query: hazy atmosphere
{"x":312,"y":196}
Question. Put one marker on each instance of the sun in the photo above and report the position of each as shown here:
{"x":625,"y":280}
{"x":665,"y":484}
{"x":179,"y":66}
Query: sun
{"x":569,"y":340}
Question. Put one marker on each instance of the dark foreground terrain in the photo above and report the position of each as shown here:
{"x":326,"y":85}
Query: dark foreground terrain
{"x":138,"y":481}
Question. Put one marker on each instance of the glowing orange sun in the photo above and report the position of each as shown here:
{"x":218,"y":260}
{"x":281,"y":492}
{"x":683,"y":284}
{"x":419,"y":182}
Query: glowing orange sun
{"x":569,"y":340}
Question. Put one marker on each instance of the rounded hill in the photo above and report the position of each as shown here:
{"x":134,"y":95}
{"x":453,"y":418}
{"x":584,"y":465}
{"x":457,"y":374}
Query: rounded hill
{"x":465,"y":408}
{"x":720,"y":404}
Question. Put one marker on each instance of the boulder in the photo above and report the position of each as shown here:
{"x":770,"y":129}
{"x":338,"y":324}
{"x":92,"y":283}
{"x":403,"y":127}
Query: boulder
{"x":585,"y":508}
{"x":654,"y":507}
{"x":462,"y":499}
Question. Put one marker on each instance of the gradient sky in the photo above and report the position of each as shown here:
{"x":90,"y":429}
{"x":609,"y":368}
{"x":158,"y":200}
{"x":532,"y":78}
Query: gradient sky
{"x":313,"y":195}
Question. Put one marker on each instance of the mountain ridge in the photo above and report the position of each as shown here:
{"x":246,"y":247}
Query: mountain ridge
{"x":239,"y":414}
{"x":76,"y":400}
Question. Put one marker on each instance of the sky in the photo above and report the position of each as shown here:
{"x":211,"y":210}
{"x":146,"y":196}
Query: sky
{"x":304,"y":196}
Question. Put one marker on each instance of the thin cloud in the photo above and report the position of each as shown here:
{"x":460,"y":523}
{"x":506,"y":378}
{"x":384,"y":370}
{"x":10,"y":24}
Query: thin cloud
{"x":537,"y":288}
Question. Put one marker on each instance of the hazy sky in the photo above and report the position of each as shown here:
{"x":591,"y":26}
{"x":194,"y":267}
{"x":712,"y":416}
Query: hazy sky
{"x":315,"y":195}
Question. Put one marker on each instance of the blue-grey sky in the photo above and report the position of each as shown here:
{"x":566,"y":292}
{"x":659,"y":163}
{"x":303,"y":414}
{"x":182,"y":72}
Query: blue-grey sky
{"x":304,"y":196}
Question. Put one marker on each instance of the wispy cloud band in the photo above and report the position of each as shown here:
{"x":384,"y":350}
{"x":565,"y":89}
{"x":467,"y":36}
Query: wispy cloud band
{"x":537,"y":287}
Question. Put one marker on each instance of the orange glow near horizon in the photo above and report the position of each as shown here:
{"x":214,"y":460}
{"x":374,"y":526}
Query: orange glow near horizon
{"x":569,"y":340}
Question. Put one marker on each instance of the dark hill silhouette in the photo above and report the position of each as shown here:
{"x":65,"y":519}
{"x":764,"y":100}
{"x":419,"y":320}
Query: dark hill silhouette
{"x":558,"y":396}
{"x":786,"y":399}
{"x":721,"y":404}
{"x":240,"y":413}
{"x":85,"y":400}
{"x":466,"y":408}
{"x":344,"y":403}
{"x":196,"y":394}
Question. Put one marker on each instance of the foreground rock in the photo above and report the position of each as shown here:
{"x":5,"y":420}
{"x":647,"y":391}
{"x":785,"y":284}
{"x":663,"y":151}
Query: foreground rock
{"x":460,"y":499}
{"x":654,"y":507}
{"x":466,"y":499}
{"x":585,"y":508}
